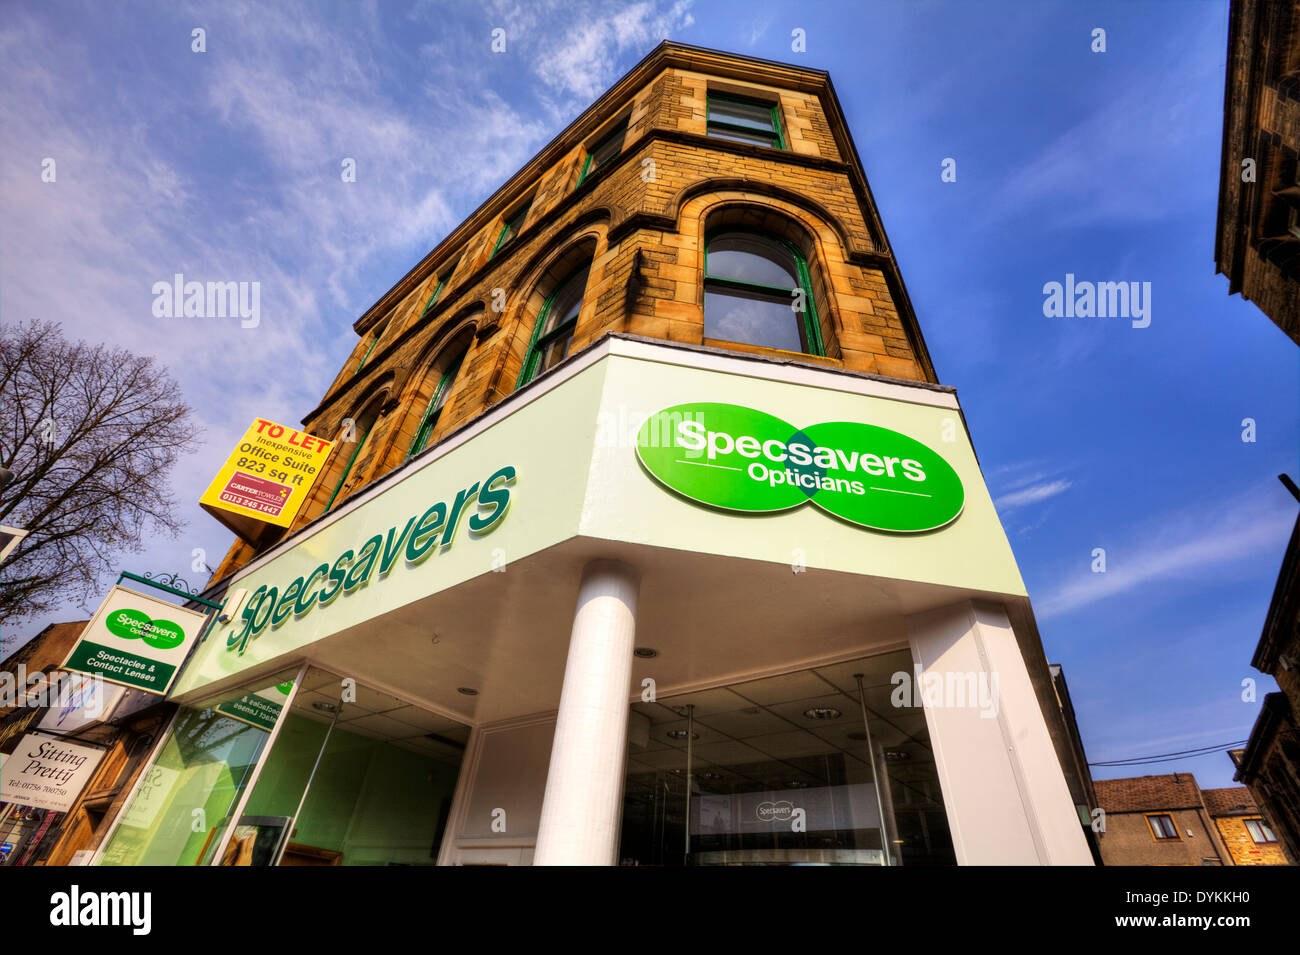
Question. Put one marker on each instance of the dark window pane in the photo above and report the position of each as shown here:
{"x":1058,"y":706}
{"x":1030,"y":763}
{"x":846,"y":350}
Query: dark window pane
{"x":749,"y":258}
{"x":567,"y":301}
{"x":735,"y":317}
{"x":756,"y":116}
{"x":759,"y":139}
{"x":554,"y":353}
{"x":609,"y":147}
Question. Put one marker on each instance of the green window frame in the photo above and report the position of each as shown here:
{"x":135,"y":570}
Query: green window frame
{"x":434,"y":408}
{"x":601,"y":153}
{"x":739,"y":119}
{"x":810,"y":331}
{"x":373,"y":342}
{"x":539,"y":342}
{"x":437,"y":290}
{"x":348,"y":470}
{"x":510,"y":228}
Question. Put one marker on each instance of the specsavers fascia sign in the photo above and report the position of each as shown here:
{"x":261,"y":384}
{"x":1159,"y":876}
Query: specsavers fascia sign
{"x":422,"y":535}
{"x":135,"y":640}
{"x":740,"y":459}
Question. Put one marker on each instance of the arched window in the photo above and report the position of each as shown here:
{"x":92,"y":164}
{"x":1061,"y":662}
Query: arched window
{"x":553,"y":333}
{"x":758,"y":291}
{"x":436,"y":401}
{"x":363,"y":424}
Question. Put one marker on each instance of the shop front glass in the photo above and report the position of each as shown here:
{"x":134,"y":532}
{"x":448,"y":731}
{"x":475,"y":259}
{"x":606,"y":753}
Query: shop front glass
{"x":183,"y":803}
{"x":355,"y":777}
{"x":786,"y":771}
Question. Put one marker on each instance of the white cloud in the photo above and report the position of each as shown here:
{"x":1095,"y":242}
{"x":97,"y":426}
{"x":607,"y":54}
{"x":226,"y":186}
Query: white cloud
{"x":582,"y":59}
{"x":227,"y":168}
{"x":1183,"y":545}
{"x":1031,"y":494}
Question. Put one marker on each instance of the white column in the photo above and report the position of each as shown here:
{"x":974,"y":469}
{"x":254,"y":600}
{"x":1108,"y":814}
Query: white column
{"x":1003,"y":788}
{"x":582,"y":808}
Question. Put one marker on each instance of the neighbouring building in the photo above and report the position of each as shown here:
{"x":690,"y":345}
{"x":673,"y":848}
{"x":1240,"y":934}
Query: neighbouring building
{"x":1074,"y":761}
{"x":1244,"y":830}
{"x":1170,"y":820}
{"x":121,"y":723}
{"x":1270,"y":763}
{"x":649,"y":536}
{"x":1257,"y":239}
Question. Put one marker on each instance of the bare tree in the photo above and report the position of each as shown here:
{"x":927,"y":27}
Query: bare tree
{"x":92,"y":433}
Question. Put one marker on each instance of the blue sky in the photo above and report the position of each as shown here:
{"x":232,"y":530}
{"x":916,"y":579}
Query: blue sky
{"x":1092,"y":433}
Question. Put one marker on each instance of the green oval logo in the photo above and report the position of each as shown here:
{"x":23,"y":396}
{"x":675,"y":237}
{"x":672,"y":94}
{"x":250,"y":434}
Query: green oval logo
{"x":736,"y":458}
{"x":138,"y":625}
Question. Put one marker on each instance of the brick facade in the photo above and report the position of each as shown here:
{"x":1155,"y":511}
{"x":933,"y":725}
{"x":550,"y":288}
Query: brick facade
{"x":641,"y":222}
{"x":1231,"y":809}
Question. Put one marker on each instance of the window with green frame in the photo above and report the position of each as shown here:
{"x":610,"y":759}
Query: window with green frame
{"x":373,"y":342}
{"x":364,"y":424}
{"x":434,"y":409}
{"x":605,"y":150}
{"x":553,"y":333}
{"x":758,"y":291}
{"x":510,"y":228}
{"x":744,"y":120}
{"x":437,"y":291}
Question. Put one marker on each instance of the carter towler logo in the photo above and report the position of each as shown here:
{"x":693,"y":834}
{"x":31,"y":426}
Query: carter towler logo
{"x":738,"y":459}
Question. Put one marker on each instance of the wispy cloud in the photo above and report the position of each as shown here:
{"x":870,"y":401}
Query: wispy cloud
{"x":581,"y":60}
{"x":1098,"y":170}
{"x":1031,"y":495}
{"x":1188,"y":542}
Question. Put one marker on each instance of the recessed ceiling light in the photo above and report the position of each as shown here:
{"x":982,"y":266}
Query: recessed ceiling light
{"x":467,"y":690}
{"x":645,"y":652}
{"x":324,"y":707}
{"x":682,"y":734}
{"x":823,"y":713}
{"x":897,"y":755}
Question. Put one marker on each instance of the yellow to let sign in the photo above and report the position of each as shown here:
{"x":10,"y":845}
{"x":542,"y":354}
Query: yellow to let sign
{"x":266,"y":478}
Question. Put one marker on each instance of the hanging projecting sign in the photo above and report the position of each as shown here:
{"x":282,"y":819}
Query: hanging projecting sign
{"x":266,"y":478}
{"x":45,"y":772}
{"x":80,"y":701}
{"x":136,"y":641}
{"x":738,"y":459}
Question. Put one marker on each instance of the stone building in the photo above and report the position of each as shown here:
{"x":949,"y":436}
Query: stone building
{"x":649,"y":536}
{"x":1170,"y":820}
{"x":1270,"y":763}
{"x":1257,"y":240}
{"x":691,"y":143}
{"x":1246,"y":834}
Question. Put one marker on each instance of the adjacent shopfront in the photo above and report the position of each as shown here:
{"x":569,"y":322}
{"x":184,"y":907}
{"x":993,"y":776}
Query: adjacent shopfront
{"x":664,"y":605}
